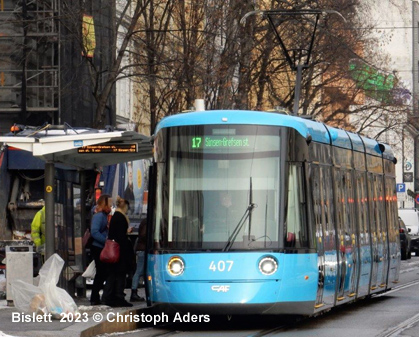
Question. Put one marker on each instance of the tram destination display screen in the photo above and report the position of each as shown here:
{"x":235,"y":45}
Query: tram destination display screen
{"x":237,"y":140}
{"x":108,"y":148}
{"x":219,"y":142}
{"x":241,"y":139}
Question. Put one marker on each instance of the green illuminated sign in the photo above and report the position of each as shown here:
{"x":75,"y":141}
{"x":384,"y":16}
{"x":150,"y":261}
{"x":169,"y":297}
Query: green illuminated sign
{"x":214,"y":142}
{"x":374,"y":82}
{"x":196,"y":142}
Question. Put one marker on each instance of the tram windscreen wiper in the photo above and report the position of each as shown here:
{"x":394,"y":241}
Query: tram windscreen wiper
{"x":237,"y":229}
{"x":250,"y":203}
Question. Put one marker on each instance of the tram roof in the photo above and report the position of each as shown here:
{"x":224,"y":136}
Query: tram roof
{"x":319,"y":132}
{"x":62,"y":146}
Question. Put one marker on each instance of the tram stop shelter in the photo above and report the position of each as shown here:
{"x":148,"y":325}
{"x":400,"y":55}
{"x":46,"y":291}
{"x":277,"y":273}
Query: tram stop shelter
{"x":82,"y":148}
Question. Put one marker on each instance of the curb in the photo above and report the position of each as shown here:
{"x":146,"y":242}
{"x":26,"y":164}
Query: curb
{"x":112,"y":327}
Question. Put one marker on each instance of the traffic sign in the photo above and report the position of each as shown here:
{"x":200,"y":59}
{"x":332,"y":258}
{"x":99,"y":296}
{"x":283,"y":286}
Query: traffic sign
{"x":408,"y":166}
{"x":408,"y":177}
{"x":417,"y":199}
{"x":401,"y":188}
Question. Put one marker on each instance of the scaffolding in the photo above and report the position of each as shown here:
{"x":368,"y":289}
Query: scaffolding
{"x":29,"y":60}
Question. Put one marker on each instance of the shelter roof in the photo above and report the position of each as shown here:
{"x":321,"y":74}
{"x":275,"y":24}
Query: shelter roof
{"x":81,"y":147}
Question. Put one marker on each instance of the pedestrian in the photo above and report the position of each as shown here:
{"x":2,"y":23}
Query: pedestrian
{"x":129,"y":190}
{"x":140,"y":252}
{"x":113,"y":294}
{"x":38,"y":230}
{"x":99,"y":232}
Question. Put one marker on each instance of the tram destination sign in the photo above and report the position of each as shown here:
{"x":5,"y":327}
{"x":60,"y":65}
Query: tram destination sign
{"x":218,"y":142}
{"x":108,"y":148}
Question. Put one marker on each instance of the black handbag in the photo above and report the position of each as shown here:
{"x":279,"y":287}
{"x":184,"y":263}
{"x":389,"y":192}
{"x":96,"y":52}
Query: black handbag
{"x":87,"y":239}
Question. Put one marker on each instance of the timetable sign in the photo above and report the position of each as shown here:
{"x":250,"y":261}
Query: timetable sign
{"x":109,"y":148}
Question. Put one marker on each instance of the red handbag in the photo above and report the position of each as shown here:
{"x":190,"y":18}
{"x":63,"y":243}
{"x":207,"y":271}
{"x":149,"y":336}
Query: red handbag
{"x":110,"y":253}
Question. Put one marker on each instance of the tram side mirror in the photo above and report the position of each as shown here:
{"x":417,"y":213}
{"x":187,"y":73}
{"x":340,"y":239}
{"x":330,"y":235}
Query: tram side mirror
{"x":308,"y":139}
{"x":381,"y":147}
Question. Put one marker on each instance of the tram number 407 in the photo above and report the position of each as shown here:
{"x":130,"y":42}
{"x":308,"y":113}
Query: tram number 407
{"x":221,"y":265}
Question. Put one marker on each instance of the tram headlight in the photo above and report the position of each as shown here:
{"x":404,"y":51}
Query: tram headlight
{"x":175,"y":266}
{"x":268,"y":265}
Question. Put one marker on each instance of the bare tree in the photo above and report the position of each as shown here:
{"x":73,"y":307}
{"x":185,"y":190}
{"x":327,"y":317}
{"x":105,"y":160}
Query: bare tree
{"x":330,"y":91}
{"x":182,"y":50}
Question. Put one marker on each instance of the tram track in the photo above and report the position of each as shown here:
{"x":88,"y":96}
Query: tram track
{"x":410,"y":322}
{"x":395,"y":331}
{"x":268,"y":331}
{"x":166,"y":334}
{"x":148,"y":332}
{"x":391,"y":332}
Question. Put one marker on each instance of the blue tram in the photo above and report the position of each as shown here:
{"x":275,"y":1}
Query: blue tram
{"x":262,"y":213}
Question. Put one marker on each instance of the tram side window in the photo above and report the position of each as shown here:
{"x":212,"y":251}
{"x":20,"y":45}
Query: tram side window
{"x":345,"y":207}
{"x":371,"y":206}
{"x":328,"y":208}
{"x":382,"y":198}
{"x":162,"y":202}
{"x":340,"y":211}
{"x":317,"y":201}
{"x":379,"y":206}
{"x":376,"y":199}
{"x":321,"y":188}
{"x":296,"y":223}
{"x":362,"y":208}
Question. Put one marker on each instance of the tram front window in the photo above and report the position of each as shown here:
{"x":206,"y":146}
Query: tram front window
{"x":219,"y":189}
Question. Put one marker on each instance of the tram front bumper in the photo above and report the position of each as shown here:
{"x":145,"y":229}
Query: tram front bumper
{"x":244,"y":297}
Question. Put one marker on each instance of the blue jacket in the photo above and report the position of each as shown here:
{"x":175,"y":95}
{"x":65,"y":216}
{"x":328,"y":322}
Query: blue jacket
{"x":99,"y":229}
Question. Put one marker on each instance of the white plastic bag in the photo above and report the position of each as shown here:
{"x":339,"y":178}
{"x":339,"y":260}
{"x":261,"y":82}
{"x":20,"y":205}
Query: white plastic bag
{"x":2,"y":283}
{"x":28,"y":298}
{"x":59,"y":302}
{"x":90,"y":271}
{"x":46,"y":297}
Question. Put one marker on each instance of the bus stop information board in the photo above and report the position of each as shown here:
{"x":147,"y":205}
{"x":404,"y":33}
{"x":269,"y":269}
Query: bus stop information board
{"x":108,"y":148}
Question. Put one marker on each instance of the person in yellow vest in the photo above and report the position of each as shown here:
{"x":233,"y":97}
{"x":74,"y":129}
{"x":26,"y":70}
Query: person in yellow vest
{"x":38,"y":230}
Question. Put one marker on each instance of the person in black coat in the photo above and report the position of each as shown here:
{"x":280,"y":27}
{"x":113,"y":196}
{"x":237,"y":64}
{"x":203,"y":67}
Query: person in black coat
{"x":129,"y":190}
{"x":99,"y":232}
{"x":113,"y":293}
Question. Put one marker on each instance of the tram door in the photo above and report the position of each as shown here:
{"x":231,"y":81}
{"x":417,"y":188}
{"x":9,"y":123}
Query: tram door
{"x":393,"y":231}
{"x":374,"y":228}
{"x":352,"y":247}
{"x":383,"y":240}
{"x":346,"y":235}
{"x":321,"y":187}
{"x":364,"y":260}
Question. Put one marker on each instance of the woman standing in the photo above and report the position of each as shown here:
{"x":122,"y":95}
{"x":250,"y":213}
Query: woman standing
{"x":113,"y":294}
{"x":99,"y":232}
